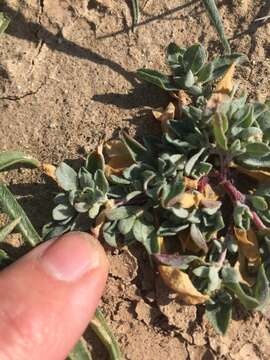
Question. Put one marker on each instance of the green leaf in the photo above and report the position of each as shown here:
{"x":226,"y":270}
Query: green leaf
{"x":192,"y":161}
{"x":80,"y":351}
{"x":220,"y":126}
{"x":95,"y":161}
{"x":10,"y":158}
{"x":66,"y":177}
{"x":7,"y":229}
{"x":242,"y":216}
{"x":121,"y":212}
{"x":175,"y":55}
{"x":85,"y":178}
{"x":194,"y":58}
{"x":110,"y":233}
{"x":94,"y":210}
{"x":206,"y":73}
{"x":171,"y":191}
{"x":259,"y":202}
{"x":219,"y":312}
{"x":125,"y":225}
{"x":4,"y":21}
{"x":11,"y":207}
{"x":137,"y":151}
{"x":217,"y":22}
{"x":231,"y":282}
{"x":143,"y":233}
{"x":254,"y":162}
{"x":198,"y":238}
{"x":101,"y":181}
{"x":262,"y":290}
{"x":52,"y":230}
{"x":257,"y":149}
{"x":189,"y":79}
{"x":3,"y":256}
{"x":62,"y":212}
{"x":156,"y":78}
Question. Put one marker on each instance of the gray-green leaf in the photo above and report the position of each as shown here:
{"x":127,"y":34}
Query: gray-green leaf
{"x":66,"y":177}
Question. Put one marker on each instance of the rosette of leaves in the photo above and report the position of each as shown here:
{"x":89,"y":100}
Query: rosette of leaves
{"x":84,"y":192}
{"x":190,"y":70}
{"x":152,"y":199}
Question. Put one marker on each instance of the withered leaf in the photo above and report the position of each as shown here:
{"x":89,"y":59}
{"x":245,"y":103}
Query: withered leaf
{"x":186,"y":200}
{"x":248,"y":245}
{"x":164,"y":115}
{"x":180,"y":282}
{"x":222,"y":90}
{"x":49,"y":170}
{"x":118,"y":155}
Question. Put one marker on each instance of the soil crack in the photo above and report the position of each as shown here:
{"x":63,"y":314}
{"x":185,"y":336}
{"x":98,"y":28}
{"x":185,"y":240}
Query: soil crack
{"x":29,"y":93}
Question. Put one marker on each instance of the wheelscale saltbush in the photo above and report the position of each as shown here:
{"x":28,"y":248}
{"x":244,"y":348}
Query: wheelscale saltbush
{"x":197,"y":197}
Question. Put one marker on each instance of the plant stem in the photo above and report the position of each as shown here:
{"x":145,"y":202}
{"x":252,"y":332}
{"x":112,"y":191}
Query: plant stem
{"x":257,"y":221}
{"x":237,"y":196}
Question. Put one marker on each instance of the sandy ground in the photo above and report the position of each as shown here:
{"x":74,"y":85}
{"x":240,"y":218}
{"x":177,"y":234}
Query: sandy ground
{"x":66,"y":83}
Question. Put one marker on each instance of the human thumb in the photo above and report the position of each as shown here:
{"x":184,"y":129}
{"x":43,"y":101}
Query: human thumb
{"x":49,"y":296}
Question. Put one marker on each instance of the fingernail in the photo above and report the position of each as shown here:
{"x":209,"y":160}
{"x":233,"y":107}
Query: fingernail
{"x":71,"y":256}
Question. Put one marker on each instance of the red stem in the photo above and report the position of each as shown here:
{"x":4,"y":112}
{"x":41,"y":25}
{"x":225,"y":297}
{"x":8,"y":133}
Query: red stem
{"x":237,"y":196}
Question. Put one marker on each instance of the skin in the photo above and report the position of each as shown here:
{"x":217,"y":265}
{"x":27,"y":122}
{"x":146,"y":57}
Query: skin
{"x":49,"y":296}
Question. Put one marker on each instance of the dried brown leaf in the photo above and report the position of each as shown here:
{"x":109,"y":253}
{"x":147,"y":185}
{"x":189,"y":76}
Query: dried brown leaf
{"x":209,"y":193}
{"x":118,"y":157}
{"x":248,"y":246}
{"x":186,"y":200}
{"x":222,"y":90}
{"x":190,"y":183}
{"x":101,"y":218}
{"x":180,"y":282}
{"x":163,"y":115}
{"x":49,"y":170}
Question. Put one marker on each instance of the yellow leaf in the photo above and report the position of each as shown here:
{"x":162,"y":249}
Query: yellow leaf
{"x":209,"y":193}
{"x":222,"y":91}
{"x":190,"y":183}
{"x":164,"y":115}
{"x":118,"y":157}
{"x":161,"y":244}
{"x":248,"y":245}
{"x":186,"y":200}
{"x":180,"y":282}
{"x":49,"y":170}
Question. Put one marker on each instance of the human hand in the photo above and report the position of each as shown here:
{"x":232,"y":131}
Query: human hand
{"x":48,"y":297}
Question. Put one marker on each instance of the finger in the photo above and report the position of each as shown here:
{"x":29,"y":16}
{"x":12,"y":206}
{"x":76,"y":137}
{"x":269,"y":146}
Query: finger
{"x":49,"y":296}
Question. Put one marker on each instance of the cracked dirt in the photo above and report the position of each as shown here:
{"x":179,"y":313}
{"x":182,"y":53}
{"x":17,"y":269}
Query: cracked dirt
{"x":66,"y":83}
